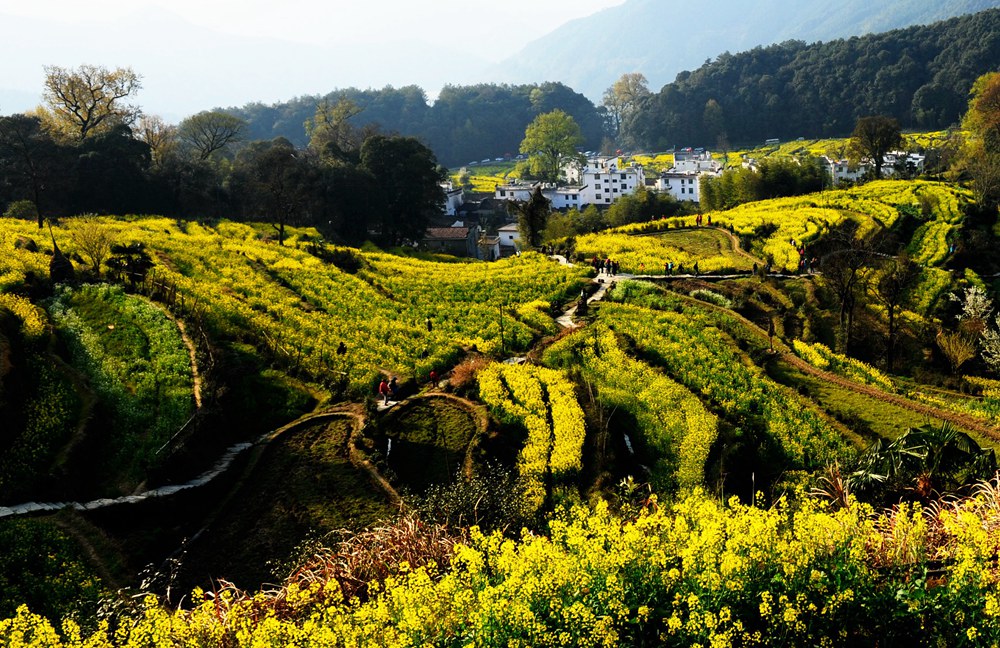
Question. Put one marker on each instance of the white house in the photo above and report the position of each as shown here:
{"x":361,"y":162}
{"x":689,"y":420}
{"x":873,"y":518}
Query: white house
{"x":843,"y":171}
{"x":683,"y":180}
{"x":599,"y":181}
{"x":453,"y":198}
{"x":509,"y":236}
{"x":898,"y":161}
{"x":695,"y":161}
{"x":516,"y":190}
{"x":602,"y":181}
{"x":682,"y":185}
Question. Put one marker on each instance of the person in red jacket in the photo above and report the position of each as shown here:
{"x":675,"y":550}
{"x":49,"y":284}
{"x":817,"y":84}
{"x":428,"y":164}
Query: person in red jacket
{"x":383,"y":390}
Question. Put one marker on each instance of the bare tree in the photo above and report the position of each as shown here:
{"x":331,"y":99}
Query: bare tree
{"x":91,"y":98}
{"x":210,"y":131}
{"x":160,"y":136}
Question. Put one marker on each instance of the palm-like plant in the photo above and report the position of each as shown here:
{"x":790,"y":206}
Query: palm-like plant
{"x":925,"y":460}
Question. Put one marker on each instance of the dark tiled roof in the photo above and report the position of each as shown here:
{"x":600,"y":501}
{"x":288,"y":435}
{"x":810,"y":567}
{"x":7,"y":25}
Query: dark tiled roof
{"x":450,"y":233}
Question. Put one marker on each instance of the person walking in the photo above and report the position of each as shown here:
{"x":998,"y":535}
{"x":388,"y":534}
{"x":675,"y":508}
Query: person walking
{"x":383,"y":390}
{"x":394,"y":389}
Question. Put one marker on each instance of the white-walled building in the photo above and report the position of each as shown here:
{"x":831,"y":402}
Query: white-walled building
{"x":695,"y":161}
{"x":683,"y":180}
{"x":509,"y":235}
{"x":681,"y":185}
{"x":598,"y":182}
{"x":843,"y":171}
{"x":453,"y":198}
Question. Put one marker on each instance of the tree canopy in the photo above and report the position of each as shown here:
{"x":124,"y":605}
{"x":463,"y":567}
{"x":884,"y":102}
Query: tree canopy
{"x":873,"y":137}
{"x":90,"y":99}
{"x":550,"y":141}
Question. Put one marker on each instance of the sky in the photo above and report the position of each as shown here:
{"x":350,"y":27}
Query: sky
{"x":196,"y":55}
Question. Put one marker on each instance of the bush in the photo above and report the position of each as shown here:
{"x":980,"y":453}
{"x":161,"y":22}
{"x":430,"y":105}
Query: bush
{"x":22,"y":209}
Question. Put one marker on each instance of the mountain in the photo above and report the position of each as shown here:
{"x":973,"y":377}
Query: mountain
{"x":660,"y":38}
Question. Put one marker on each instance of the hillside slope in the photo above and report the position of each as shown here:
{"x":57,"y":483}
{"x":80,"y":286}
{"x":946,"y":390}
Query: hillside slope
{"x":660,"y":39}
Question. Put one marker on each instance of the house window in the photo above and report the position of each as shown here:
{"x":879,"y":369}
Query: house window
{"x":598,"y":196}
{"x":607,"y":200}
{"x":501,"y":193}
{"x":623,"y":176}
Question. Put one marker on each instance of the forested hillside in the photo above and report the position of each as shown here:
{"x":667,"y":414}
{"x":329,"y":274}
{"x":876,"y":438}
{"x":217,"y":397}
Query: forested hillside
{"x":463,"y":124}
{"x":919,"y":75}
{"x":661,"y":38}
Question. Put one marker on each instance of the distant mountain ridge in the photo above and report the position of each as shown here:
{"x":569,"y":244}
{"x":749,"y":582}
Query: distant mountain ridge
{"x":662,"y":38}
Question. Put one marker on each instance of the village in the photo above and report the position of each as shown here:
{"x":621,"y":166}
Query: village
{"x":601,"y":180}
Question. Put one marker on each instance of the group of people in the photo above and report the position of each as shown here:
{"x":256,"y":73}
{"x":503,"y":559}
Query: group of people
{"x":606,"y":266}
{"x":699,"y":219}
{"x":388,"y":390}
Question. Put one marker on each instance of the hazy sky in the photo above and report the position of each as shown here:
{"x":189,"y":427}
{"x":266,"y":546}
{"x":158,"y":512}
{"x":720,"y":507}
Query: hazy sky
{"x":195,"y":55}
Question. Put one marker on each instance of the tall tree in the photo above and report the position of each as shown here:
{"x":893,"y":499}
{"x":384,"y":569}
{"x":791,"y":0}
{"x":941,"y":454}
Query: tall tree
{"x":982,"y":152}
{"x":408,"y":176}
{"x":873,"y":137}
{"x":532,"y":217}
{"x":897,"y":279}
{"x":846,"y":273}
{"x":28,"y":160}
{"x":330,"y":132}
{"x":160,"y":136}
{"x":622,"y":99}
{"x":550,"y":141}
{"x":90,"y":99}
{"x":277,"y":183}
{"x":210,"y":131}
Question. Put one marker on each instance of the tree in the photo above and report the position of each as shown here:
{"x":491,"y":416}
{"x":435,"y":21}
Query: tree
{"x":90,"y":99}
{"x":532,"y":217}
{"x":845,"y":272}
{"x":159,"y":136}
{"x":210,"y":131}
{"x":982,"y":152}
{"x":550,"y":141}
{"x":714,"y":122}
{"x":622,"y":98}
{"x":330,"y":131}
{"x":875,"y":136}
{"x":409,"y":185}
{"x":278,"y":183}
{"x":94,"y":240}
{"x":956,"y":347}
{"x":898,"y":277}
{"x":28,"y":159}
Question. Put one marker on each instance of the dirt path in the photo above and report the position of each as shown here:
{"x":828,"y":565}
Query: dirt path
{"x":192,"y":352}
{"x":966,"y":421}
{"x":738,"y":249}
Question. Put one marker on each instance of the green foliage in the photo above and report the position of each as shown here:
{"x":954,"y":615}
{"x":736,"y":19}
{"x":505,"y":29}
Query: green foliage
{"x":773,"y":178}
{"x":41,"y":566}
{"x":550,"y":142}
{"x":135,"y":359}
{"x":794,"y":88}
{"x":22,"y":209}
